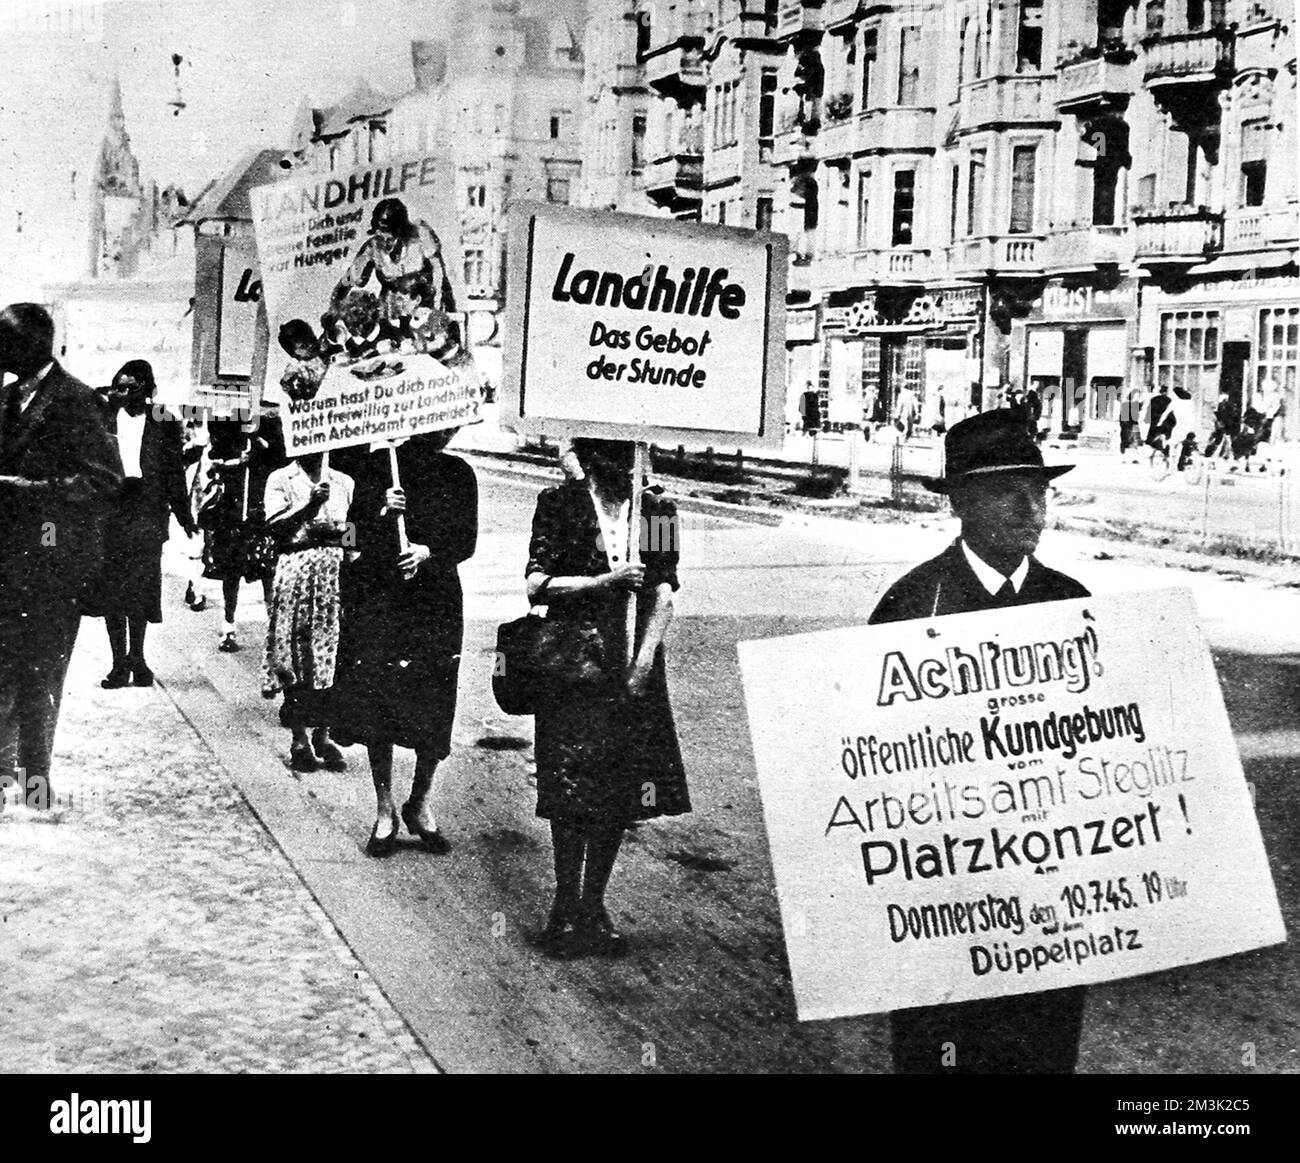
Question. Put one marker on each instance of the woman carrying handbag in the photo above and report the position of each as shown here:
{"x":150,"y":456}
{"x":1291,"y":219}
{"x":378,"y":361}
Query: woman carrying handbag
{"x":607,"y":750}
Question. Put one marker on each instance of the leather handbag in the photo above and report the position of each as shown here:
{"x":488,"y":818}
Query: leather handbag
{"x":541,"y":658}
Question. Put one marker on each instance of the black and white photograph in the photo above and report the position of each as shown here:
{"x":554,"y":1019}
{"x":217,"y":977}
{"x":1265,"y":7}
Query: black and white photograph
{"x":650,"y":537}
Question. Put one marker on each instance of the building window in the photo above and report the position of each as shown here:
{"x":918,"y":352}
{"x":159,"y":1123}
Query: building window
{"x":499,"y":119}
{"x":722,"y":213}
{"x":638,"y":142}
{"x":1279,"y":352}
{"x":952,"y":204}
{"x":904,"y":207}
{"x":1252,"y":182}
{"x":642,"y":34}
{"x":557,"y":190}
{"x":559,"y":123}
{"x":476,"y":196}
{"x":1024,"y":164}
{"x":475,"y":267}
{"x":961,"y":51}
{"x":1029,"y":40}
{"x":864,"y":207}
{"x":870,"y":41}
{"x":1188,"y":356}
{"x":909,"y":66}
{"x":1254,"y":164}
{"x":763,"y":212}
{"x":766,"y":103}
{"x":975,"y":192}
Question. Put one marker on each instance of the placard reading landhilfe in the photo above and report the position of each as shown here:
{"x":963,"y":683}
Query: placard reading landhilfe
{"x":360,"y":269}
{"x":1003,"y":802}
{"x":643,"y":328}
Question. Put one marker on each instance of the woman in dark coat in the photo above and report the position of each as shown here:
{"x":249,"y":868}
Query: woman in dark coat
{"x":399,"y":657}
{"x":237,"y":545}
{"x":128,"y":591}
{"x":607,"y":753}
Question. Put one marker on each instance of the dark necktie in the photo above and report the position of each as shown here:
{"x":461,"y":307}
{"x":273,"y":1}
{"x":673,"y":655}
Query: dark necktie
{"x":1006,"y":595}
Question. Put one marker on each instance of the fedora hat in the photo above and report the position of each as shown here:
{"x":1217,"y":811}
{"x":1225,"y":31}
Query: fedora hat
{"x":987,"y":443}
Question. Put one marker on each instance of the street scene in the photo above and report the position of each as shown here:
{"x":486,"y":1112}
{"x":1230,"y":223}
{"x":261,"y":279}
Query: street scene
{"x":649,"y":536}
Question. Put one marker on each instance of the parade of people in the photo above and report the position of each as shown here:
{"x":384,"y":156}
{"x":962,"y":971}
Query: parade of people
{"x":649,"y":536}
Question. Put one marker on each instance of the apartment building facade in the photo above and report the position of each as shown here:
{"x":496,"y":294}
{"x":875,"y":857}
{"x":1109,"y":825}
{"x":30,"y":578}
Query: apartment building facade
{"x":503,"y":99}
{"x":1084,"y":198}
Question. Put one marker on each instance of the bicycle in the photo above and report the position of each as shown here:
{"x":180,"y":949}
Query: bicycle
{"x":1158,"y":459}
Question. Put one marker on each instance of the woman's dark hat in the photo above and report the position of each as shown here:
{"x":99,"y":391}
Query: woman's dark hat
{"x":988,"y":443}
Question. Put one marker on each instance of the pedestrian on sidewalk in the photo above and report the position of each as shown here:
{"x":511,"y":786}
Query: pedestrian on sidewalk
{"x":996,"y":482}
{"x":128,"y":591}
{"x":236,"y":545}
{"x":607,"y":754}
{"x":306,"y":506}
{"x":59,"y":473}
{"x":196,"y":438}
{"x":403,"y":623}
{"x":1129,"y":416}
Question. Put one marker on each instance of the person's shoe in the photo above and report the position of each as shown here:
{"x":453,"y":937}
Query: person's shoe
{"x":598,"y":935}
{"x":301,"y":758}
{"x":382,"y":845}
{"x":435,"y":843}
{"x":561,"y":939}
{"x":196,"y":601}
{"x":331,"y":758}
{"x":228,"y":644}
{"x":119,"y":676}
{"x":141,"y":675}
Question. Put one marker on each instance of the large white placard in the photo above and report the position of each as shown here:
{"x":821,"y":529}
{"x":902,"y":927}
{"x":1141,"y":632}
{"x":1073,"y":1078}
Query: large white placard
{"x":360,"y":270}
{"x":1003,"y":802}
{"x":643,"y":328}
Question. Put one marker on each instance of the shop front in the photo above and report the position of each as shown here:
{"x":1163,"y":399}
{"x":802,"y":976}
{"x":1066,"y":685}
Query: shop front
{"x":1075,"y":349}
{"x":1237,"y":336}
{"x":876,"y":343}
{"x":802,"y":365}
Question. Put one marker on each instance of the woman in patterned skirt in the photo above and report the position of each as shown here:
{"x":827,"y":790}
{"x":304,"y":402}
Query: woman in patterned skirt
{"x":307,"y":511}
{"x":607,"y":753}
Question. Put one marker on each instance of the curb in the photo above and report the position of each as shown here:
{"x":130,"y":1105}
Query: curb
{"x":507,"y":467}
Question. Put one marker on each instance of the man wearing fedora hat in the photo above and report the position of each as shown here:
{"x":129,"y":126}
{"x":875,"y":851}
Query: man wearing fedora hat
{"x":996,"y":481}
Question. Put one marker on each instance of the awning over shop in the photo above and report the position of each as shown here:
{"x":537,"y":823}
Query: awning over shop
{"x":1237,"y":263}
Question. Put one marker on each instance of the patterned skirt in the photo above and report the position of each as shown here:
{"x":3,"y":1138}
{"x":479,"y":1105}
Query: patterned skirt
{"x":302,"y":629}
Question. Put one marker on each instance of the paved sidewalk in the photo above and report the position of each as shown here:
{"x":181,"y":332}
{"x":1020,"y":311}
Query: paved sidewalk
{"x":149,"y":923}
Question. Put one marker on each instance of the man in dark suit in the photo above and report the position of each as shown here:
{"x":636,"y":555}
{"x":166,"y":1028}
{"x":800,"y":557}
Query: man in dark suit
{"x":59,"y":471}
{"x":996,"y":481}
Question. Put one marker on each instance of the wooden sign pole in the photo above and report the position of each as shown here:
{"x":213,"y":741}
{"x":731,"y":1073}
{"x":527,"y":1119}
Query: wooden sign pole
{"x":402,"y":544}
{"x":634,"y":541}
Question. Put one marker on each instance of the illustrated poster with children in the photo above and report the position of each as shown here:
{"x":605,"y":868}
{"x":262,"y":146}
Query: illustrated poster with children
{"x":367,"y":321}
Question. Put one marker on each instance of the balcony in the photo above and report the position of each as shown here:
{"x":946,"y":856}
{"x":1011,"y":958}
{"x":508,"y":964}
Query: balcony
{"x":797,"y":18}
{"x":892,"y":267}
{"x":1005,"y":255}
{"x":1083,"y":247}
{"x":1092,"y":86}
{"x":1177,"y":234}
{"x":674,"y":182}
{"x":799,"y":281}
{"x":1005,"y":101}
{"x":1260,"y":227}
{"x":1188,"y":59}
{"x":677,"y":71}
{"x":791,"y":146}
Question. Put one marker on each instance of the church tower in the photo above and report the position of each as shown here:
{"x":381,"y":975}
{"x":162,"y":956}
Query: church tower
{"x":118,"y":207}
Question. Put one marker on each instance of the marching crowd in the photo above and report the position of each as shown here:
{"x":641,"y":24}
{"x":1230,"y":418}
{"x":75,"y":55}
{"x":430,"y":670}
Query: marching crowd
{"x":365,"y":621}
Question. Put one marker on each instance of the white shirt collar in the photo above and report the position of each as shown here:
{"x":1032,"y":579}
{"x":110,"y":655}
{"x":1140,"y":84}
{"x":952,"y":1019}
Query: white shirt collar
{"x":989,"y":577}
